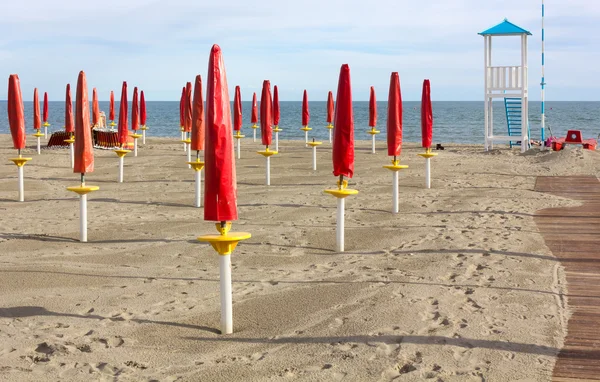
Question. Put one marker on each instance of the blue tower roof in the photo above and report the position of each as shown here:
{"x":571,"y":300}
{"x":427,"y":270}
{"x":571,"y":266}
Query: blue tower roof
{"x":505,"y":28}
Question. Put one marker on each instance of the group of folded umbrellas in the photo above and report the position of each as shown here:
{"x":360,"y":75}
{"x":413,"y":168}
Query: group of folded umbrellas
{"x":211,"y":131}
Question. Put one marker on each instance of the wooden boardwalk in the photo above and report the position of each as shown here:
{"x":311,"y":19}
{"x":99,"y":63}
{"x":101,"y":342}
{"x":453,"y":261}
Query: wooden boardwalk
{"x":573,"y":236}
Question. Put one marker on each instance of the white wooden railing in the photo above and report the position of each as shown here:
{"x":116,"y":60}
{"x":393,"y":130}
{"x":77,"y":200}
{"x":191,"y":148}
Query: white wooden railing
{"x":504,"y":77}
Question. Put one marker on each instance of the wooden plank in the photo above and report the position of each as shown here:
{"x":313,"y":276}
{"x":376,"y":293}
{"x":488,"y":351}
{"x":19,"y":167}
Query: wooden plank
{"x":573,"y":236}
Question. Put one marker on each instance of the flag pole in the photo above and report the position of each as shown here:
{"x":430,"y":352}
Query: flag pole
{"x":543,"y":83}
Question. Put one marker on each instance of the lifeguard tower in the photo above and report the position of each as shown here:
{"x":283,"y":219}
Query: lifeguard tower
{"x":509,"y":83}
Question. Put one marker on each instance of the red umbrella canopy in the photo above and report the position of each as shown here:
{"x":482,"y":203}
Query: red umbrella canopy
{"x":426,"y":115}
{"x":394,"y":118}
{"x":84,"y":149}
{"x":123,"y":131}
{"x":182,"y":108}
{"x":45,"y":111}
{"x":266,"y":116}
{"x":37,"y":119}
{"x":343,"y":142}
{"x":305,"y":112}
{"x":16,"y":112}
{"x":111,"y":110}
{"x":69,"y":123}
{"x":135,"y":111}
{"x":330,"y":107}
{"x":188,"y":108}
{"x":276,"y":112}
{"x":142,"y":109}
{"x":198,"y":116}
{"x":372,"y":108}
{"x":220,"y":194}
{"x":95,"y":108}
{"x":237,"y":109}
{"x":254,"y":116}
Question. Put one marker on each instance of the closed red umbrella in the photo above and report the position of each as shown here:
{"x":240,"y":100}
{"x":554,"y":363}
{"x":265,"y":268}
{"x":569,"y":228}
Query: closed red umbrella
{"x":111,"y":110}
{"x":220,"y":196}
{"x":187,"y":121}
{"x":276,"y":112}
{"x":142,"y":109}
{"x":95,"y":108}
{"x":394,"y":118}
{"x":254,"y":116}
{"x":343,"y":142}
{"x":69,"y":123}
{"x":427,"y":130}
{"x":198,"y":116}
{"x":266,"y":116}
{"x":426,"y":116}
{"x":16,"y":113}
{"x":84,"y":149}
{"x":45,"y":110}
{"x":123,"y":131}
{"x":135,"y":111}
{"x":37,"y":119}
{"x":305,"y":111}
{"x":330,"y":107}
{"x":182,"y":109}
{"x":237,"y":110}
{"x":372,"y":108}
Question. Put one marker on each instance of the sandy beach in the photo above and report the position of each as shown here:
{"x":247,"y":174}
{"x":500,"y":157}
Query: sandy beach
{"x":459,"y":286}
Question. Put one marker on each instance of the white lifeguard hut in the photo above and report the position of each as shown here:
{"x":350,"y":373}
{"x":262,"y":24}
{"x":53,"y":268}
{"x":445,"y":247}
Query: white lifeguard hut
{"x":510,"y":83}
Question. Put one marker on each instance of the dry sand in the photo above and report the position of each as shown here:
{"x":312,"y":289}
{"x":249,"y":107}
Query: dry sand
{"x":459,"y":286}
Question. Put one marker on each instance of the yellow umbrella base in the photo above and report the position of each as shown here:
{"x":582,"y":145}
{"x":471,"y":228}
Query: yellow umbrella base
{"x":20,"y":162}
{"x":82,"y":190}
{"x":427,"y":155}
{"x":267,"y":153}
{"x":122,"y":152}
{"x":196,"y":165}
{"x":341,"y":193}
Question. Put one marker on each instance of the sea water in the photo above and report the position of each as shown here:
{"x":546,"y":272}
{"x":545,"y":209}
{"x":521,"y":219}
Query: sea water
{"x":453,"y":121}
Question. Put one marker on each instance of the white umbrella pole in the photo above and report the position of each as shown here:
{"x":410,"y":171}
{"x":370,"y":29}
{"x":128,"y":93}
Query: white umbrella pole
{"x":72,"y":150}
{"x":83,"y":218}
{"x":135,"y":147}
{"x":330,"y":135}
{"x":226,"y":303}
{"x":45,"y":132}
{"x":121,"y":160}
{"x":238,"y":148}
{"x":276,"y":141}
{"x":189,"y":154}
{"x":268,"y":171}
{"x":306,"y":138}
{"x":38,"y":146}
{"x":198,"y":187}
{"x":373,"y":144}
{"x":341,"y":205}
{"x":314,"y":158}
{"x":395,"y":192}
{"x":254,"y":135}
{"x":21,"y":185}
{"x":143,"y":137}
{"x":427,"y":173}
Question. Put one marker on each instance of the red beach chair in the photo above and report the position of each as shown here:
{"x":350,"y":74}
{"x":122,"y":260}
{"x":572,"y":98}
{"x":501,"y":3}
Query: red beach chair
{"x":574,"y":137}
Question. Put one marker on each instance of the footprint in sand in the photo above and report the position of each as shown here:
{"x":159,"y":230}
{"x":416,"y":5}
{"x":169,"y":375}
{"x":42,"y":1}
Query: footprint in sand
{"x":471,"y":305}
{"x":383,"y":350}
{"x":111,"y":342}
{"x":338,"y":322}
{"x":313,"y":369}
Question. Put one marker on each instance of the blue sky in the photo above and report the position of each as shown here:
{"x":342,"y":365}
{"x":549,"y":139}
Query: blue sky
{"x":158,"y":45}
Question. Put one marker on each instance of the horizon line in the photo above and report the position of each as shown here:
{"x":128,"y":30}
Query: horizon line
{"x":129,"y":101}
